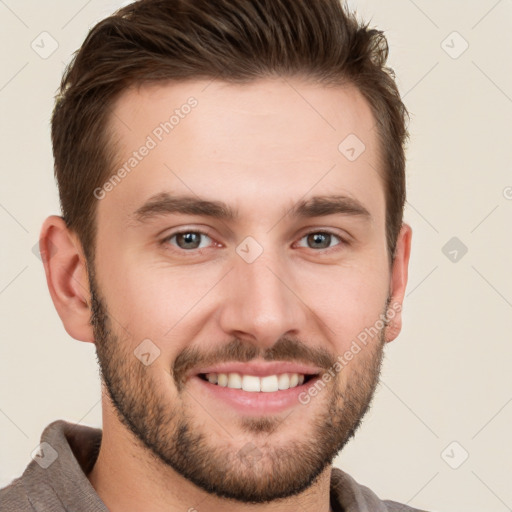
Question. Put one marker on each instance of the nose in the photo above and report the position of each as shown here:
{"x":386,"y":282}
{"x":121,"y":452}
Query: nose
{"x":261,"y":304}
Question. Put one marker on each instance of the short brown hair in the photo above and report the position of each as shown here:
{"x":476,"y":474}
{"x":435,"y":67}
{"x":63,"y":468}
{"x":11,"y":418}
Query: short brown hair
{"x":229,"y":40}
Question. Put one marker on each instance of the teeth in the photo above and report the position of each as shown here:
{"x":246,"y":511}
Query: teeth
{"x":254,"y":384}
{"x":283,"y":382}
{"x":250,"y":383}
{"x":222,"y":380}
{"x":212,"y":377}
{"x":234,"y":381}
{"x":269,"y":384}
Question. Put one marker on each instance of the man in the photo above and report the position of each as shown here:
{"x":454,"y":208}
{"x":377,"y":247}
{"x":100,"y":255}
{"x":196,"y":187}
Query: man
{"x":232,"y":184}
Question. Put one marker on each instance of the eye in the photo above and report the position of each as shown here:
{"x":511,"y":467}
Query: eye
{"x":320,"y":240}
{"x":190,"y":240}
{"x":187,"y":240}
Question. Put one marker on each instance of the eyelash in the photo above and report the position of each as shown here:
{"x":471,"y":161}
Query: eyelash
{"x":168,"y":238}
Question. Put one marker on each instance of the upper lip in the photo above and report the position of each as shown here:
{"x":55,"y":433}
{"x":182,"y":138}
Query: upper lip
{"x":258,"y":369}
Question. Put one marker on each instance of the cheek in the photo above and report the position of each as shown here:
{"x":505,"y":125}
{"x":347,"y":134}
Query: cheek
{"x":348,"y":300}
{"x":151,"y":299}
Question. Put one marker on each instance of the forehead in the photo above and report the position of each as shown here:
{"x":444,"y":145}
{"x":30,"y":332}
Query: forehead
{"x":257,"y":146}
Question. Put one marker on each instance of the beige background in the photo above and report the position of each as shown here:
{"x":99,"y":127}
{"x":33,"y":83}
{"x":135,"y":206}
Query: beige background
{"x":446,"y":378}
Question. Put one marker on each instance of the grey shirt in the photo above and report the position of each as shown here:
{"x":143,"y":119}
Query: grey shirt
{"x":55,"y":480}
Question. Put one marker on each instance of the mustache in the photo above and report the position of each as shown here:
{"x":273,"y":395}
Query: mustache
{"x":285,"y":349}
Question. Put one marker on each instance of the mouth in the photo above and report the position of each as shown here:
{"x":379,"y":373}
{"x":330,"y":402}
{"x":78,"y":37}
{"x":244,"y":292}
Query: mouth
{"x":256,"y":388}
{"x":255,"y":383}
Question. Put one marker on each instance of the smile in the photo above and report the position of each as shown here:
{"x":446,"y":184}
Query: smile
{"x":255,"y":384}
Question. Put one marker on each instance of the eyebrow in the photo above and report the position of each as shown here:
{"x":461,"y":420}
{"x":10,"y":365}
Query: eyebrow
{"x":164,"y":204}
{"x":317,"y":206}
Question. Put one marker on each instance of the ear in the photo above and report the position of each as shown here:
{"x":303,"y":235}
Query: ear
{"x":66,"y":275}
{"x":398,"y":282}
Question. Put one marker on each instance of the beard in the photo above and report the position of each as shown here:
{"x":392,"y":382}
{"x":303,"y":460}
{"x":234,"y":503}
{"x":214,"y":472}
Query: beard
{"x":256,"y":471}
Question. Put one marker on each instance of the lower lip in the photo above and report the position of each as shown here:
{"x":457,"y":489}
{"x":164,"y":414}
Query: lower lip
{"x":253,"y":403}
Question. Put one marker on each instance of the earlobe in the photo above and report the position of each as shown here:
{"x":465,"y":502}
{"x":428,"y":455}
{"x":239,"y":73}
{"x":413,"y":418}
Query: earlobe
{"x":66,"y":276}
{"x":398,"y":282}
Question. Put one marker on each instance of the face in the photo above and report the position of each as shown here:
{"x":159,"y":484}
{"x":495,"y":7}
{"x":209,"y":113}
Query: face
{"x":238,"y":258}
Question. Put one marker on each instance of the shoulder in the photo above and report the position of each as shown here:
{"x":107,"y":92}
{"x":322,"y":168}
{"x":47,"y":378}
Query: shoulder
{"x":13,"y":498}
{"x":55,"y":475}
{"x":353,"y":496}
{"x":394,"y":506}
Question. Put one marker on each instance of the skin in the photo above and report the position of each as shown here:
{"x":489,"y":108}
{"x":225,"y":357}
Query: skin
{"x":259,"y":148}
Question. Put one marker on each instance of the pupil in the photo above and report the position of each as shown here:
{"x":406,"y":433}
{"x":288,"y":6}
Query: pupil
{"x":191,"y":240}
{"x":320,"y":238}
